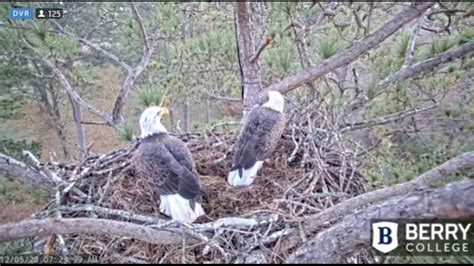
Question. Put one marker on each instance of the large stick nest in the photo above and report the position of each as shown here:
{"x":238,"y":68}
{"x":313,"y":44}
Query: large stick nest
{"x":300,"y":179}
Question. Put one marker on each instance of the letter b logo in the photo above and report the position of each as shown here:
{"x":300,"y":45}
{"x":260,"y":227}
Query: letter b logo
{"x":384,"y":236}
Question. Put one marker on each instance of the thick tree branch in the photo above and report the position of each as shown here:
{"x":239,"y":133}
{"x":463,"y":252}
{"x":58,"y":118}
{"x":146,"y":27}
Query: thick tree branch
{"x":132,"y":75}
{"x":25,"y":173}
{"x":463,"y":161}
{"x":353,"y":233}
{"x":315,"y":222}
{"x":428,"y":64}
{"x":220,"y":223}
{"x":352,"y":53}
{"x":45,"y":227}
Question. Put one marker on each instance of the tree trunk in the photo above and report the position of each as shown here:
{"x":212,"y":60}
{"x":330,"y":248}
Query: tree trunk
{"x":251,"y":71}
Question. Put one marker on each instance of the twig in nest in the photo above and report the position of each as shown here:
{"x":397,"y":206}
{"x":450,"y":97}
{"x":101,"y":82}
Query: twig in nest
{"x":60,"y":238}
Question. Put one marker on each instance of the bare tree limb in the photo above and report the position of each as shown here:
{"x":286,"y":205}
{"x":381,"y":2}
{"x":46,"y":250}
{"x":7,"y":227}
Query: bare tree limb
{"x":132,"y":72}
{"x":265,"y":42}
{"x":445,"y":11}
{"x":131,"y":78}
{"x":315,"y":19}
{"x":36,"y":173}
{"x":81,"y":136}
{"x":410,"y":53}
{"x":72,"y":92}
{"x":220,"y":223}
{"x":428,"y":64}
{"x":96,"y":27}
{"x":94,"y":123}
{"x":93,"y":45}
{"x":107,"y":211}
{"x":25,"y":173}
{"x":343,"y":239}
{"x":54,"y":226}
{"x":350,"y":54}
{"x":222,"y":98}
{"x":416,"y":69}
{"x":447,"y":26}
{"x":138,"y":18}
{"x":386,"y":119}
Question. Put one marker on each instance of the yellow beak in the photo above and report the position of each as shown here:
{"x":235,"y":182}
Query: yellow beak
{"x":164,"y":101}
{"x":164,"y":111}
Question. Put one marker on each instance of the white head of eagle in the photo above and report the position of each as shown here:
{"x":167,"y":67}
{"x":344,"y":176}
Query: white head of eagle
{"x":262,"y":129}
{"x":275,"y":101}
{"x":150,"y":121}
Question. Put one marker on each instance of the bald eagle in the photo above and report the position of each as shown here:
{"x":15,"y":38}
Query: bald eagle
{"x":261,"y":131}
{"x":167,"y":165}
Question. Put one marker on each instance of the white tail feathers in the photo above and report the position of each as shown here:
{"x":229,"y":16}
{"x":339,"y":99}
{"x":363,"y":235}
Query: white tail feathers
{"x":178,"y":208}
{"x":247,"y":177}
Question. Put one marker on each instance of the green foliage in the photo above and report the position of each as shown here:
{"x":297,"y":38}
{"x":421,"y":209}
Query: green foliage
{"x":17,"y":247}
{"x":62,"y":45}
{"x":125,"y":131}
{"x":418,"y":154}
{"x":451,"y":111}
{"x":38,"y":37}
{"x":439,"y":46}
{"x":402,"y":46}
{"x":88,"y":73}
{"x":329,"y":45}
{"x":12,"y":98}
{"x":14,"y":191}
{"x":282,"y":59}
{"x":168,"y":16}
{"x":14,"y":148}
{"x":465,"y":36}
{"x":285,"y":58}
{"x":149,"y":95}
{"x":11,"y":105}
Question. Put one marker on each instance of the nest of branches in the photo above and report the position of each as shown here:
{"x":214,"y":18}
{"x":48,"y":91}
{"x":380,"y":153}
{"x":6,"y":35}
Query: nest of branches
{"x":309,"y":171}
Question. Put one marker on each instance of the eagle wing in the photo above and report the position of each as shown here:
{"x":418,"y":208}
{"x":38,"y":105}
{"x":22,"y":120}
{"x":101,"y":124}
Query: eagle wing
{"x":167,"y":164}
{"x":262,"y":130}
